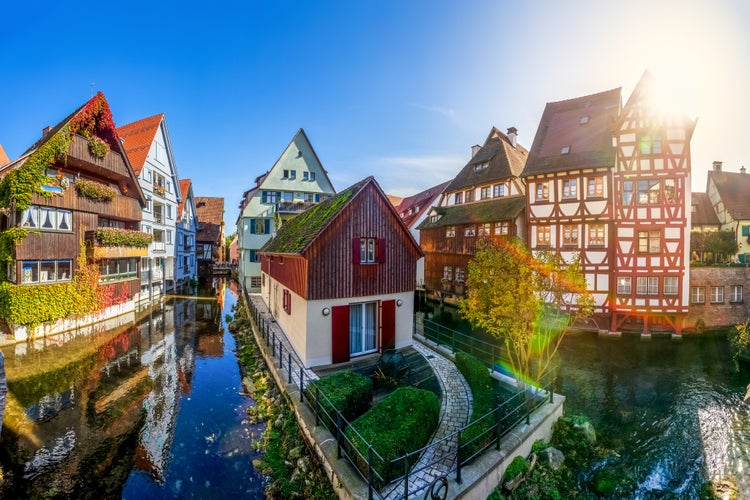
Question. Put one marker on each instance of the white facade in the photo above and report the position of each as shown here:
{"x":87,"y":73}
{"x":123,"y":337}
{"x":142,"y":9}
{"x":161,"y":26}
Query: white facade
{"x":295,"y":182}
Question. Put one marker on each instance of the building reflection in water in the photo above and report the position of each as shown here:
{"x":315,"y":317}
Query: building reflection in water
{"x":88,"y":408}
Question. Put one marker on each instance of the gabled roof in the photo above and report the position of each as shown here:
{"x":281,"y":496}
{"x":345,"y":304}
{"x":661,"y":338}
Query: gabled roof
{"x":210,"y":213}
{"x":504,"y":161}
{"x":296,"y":234}
{"x":498,"y":209}
{"x":4,"y":160}
{"x":584,"y":126}
{"x":184,"y":190}
{"x":138,"y":137}
{"x":734,"y":191}
{"x":419,"y":203}
{"x":704,"y":214}
{"x":395,"y":200}
{"x":644,"y":101}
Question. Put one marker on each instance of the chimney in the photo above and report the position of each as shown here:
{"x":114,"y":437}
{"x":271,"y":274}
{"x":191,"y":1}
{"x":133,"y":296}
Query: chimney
{"x":46,"y":130}
{"x":475,"y":149}
{"x":512,"y":135}
{"x":717,"y":166}
{"x":742,"y":169}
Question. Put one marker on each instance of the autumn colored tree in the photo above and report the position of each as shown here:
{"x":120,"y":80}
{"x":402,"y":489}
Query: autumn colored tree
{"x":528,"y":301}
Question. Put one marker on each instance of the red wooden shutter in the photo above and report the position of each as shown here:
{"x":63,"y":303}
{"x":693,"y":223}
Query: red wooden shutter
{"x":388,"y":324}
{"x":356,"y":244}
{"x":340,"y":334}
{"x":288,"y":302}
{"x":381,"y":250}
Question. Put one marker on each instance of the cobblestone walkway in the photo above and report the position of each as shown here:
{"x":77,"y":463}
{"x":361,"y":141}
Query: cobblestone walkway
{"x":455,"y":410}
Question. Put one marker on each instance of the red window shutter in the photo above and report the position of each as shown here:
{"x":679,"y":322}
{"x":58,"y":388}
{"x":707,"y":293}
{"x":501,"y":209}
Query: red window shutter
{"x":388,"y":324}
{"x":381,"y":250}
{"x":288,"y":302}
{"x":356,"y":243}
{"x":340,"y":334}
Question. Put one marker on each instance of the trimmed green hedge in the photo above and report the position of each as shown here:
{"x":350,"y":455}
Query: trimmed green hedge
{"x":348,"y":392}
{"x":402,"y":423}
{"x":477,"y":435}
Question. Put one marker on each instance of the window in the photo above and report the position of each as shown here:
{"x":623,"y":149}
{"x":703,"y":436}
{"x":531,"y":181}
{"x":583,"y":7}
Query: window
{"x":470,"y":230}
{"x":434,"y":218}
{"x":648,"y":192}
{"x":447,"y":273}
{"x":286,"y":301}
{"x":255,"y":281}
{"x":46,"y":271}
{"x":627,"y":192}
{"x":570,"y":189}
{"x":596,"y":187}
{"x":304,"y":175}
{"x":485,"y":192}
{"x":502,"y":228}
{"x":270,"y":197}
{"x":169,"y":236}
{"x":484,"y":229}
{"x":647,"y":285}
{"x":450,"y":231}
{"x":542,"y":191}
{"x":169,"y":211}
{"x":650,"y":144}
{"x":260,"y":226}
{"x":285,"y":175}
{"x":671,"y":285}
{"x":698,"y":295}
{"x":624,"y":285}
{"x":584,"y":120}
{"x":362,"y":328}
{"x":253,"y":256}
{"x":480,"y":166}
{"x":366,"y":250}
{"x":596,"y":235}
{"x":542,"y":236}
{"x":469,"y":196}
{"x":292,"y":174}
{"x":117,"y":269}
{"x":312,"y":176}
{"x":736,"y":294}
{"x":649,"y":241}
{"x":148,"y":204}
{"x":47,"y":218}
{"x":460,"y":275}
{"x":458,"y":198}
{"x":570,"y":234}
{"x":499,"y":190}
{"x":287,"y":196}
{"x":717,"y":294}
{"x":669,"y":191}
{"x":564,"y":150}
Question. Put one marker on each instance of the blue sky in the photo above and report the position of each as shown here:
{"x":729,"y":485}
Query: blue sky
{"x":395,"y":89}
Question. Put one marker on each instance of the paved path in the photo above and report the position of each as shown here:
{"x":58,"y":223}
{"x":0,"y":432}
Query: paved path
{"x":455,"y":409}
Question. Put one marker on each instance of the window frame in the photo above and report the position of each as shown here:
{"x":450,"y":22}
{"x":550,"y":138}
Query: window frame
{"x":669,"y":288}
{"x":542,"y":191}
{"x":594,"y":238}
{"x":570,"y":235}
{"x":651,"y":239}
{"x":734,"y":297}
{"x":698,"y":295}
{"x":717,"y":294}
{"x":595,"y":187}
{"x":543,"y":231}
{"x":624,"y":285}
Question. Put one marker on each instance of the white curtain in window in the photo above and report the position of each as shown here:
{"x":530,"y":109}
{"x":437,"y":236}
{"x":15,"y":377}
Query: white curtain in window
{"x":63,"y":220}
{"x":48,"y":218}
{"x":370,"y":315}
{"x":355,"y":328}
{"x":30,"y":217}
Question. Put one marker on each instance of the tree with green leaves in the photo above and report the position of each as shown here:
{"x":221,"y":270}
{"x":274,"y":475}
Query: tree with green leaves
{"x":528,"y":301}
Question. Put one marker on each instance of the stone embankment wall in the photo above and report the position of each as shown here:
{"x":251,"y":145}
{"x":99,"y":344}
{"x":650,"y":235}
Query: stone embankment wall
{"x":726,"y":313}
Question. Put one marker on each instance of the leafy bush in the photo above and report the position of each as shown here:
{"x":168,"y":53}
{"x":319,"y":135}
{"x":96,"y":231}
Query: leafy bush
{"x":539,"y":446}
{"x":116,"y":237}
{"x":94,"y":191}
{"x":97,"y":147}
{"x":478,"y":434}
{"x":402,"y":423}
{"x":568,"y":437}
{"x":518,"y":465}
{"x":345,"y":391}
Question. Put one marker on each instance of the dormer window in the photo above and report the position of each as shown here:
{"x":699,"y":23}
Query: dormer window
{"x":480,"y":166}
{"x":584,"y":120}
{"x":565,"y":150}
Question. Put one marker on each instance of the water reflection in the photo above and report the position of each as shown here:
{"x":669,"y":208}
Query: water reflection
{"x":150,"y":409}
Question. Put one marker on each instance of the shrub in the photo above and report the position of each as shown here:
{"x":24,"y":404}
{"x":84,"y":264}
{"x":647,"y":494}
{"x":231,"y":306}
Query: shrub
{"x":402,"y":423}
{"x":518,"y":465}
{"x":568,"y":436}
{"x":94,"y":191}
{"x":345,"y":391}
{"x":478,"y":434}
{"x":116,"y":237}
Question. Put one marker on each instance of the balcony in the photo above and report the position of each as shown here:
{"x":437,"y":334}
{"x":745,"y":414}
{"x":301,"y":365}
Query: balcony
{"x":159,"y":246}
{"x":292,"y":207}
{"x":159,"y":189}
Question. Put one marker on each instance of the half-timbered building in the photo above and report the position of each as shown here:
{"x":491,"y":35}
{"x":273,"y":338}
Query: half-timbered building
{"x":209,"y":236}
{"x":486,"y":199}
{"x":569,"y":186}
{"x":729,"y":197}
{"x":339,"y":277}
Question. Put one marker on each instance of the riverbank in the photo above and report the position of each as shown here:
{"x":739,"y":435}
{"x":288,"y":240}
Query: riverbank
{"x":289,"y":468}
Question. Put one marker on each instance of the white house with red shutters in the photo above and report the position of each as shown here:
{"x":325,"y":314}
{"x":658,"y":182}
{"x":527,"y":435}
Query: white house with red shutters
{"x":339,"y":277}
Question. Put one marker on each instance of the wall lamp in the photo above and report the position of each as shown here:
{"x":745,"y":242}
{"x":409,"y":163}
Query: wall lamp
{"x":399,"y":302}
{"x":326,"y":311}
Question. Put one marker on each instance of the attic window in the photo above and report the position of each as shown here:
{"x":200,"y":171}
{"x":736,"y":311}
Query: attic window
{"x":694,"y":208}
{"x":434,"y":218}
{"x":480,"y":166}
{"x":584,"y":120}
{"x":565,"y":150}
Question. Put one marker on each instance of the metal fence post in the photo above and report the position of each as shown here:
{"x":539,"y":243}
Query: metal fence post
{"x":316,"y":406}
{"x":369,"y":472}
{"x":338,"y":434}
{"x":497,"y":427}
{"x":406,"y":476}
{"x":281,"y":356}
{"x":289,"y":367}
{"x":458,"y":460}
{"x":301,"y":384}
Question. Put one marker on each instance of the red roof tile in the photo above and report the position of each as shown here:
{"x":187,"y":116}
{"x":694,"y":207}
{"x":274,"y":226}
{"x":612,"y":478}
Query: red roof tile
{"x":210,"y":212}
{"x":733,"y":189}
{"x":184,"y":190}
{"x":412,"y":207}
{"x":138,"y":137}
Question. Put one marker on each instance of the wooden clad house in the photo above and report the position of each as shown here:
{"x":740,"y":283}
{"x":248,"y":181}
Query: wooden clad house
{"x":339,"y":278}
{"x":209,"y":236}
{"x":652,"y":210}
{"x":486,"y":199}
{"x":569,"y":187}
{"x":84,"y":189}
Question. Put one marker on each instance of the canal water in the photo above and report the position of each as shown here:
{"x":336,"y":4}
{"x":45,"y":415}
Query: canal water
{"x":151,"y":409}
{"x":672,"y":412}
